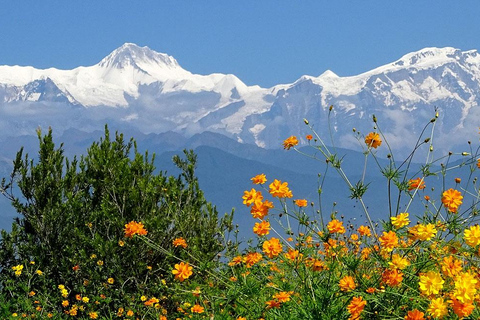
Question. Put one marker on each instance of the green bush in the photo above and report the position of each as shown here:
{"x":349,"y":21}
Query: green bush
{"x":72,"y":219}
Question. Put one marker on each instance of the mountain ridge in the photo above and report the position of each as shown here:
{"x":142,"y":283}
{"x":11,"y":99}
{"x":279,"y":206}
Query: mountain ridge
{"x":136,"y":87}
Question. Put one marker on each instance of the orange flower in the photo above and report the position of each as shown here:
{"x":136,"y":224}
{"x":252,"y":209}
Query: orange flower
{"x":273,"y":304}
{"x":182,"y":271}
{"x":309,"y":137}
{"x":373,"y":140}
{"x":260,"y":209}
{"x":133,"y":228}
{"x":452,"y":199}
{"x":151,"y":302}
{"x":392,"y":277}
{"x":262,"y":228}
{"x":355,"y":308}
{"x":180,"y":242}
{"x":388,"y":240}
{"x":414,"y":315}
{"x":197,"y":309}
{"x":279,"y":189}
{"x":301,"y":202}
{"x":235,"y":261}
{"x":451,"y":266}
{"x":283,"y":296}
{"x":347,"y":284}
{"x":371,"y":290}
{"x":259,"y":179}
{"x":335,"y":226}
{"x":251,"y":196}
{"x":462,"y":309}
{"x":418,"y":183}
{"x":252,"y":258}
{"x":272,"y":247}
{"x":290,"y":142}
{"x":292,"y":254}
{"x":478,"y":163}
{"x":364,"y":231}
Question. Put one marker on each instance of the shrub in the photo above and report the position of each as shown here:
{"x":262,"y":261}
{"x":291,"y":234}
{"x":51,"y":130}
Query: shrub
{"x":73,"y":214}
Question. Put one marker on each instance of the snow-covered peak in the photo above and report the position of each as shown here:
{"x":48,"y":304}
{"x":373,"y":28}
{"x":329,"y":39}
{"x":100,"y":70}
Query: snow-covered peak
{"x":130,"y":54}
{"x":429,"y":57}
{"x":328,"y":74}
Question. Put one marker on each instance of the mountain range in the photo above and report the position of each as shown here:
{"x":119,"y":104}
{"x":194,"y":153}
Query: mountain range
{"x":139,"y":89}
{"x":237,"y":130}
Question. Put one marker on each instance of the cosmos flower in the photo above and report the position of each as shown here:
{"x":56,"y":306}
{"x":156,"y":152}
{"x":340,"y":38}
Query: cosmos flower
{"x":373,"y":140}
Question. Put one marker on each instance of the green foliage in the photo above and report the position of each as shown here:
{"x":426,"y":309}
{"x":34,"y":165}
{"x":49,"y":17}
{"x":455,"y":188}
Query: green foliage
{"x":73,"y":214}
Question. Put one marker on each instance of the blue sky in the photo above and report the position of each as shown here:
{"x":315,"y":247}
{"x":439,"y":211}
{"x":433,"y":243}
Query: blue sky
{"x":263,"y":42}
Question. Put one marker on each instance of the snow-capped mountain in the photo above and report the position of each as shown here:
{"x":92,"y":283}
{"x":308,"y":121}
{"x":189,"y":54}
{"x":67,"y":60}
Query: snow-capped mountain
{"x":137,"y":88}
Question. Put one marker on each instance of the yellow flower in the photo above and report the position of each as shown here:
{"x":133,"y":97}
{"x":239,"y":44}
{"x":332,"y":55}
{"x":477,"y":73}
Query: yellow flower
{"x":430,"y":283}
{"x":290,"y":142}
{"x":39,"y":272}
{"x":472,"y":236}
{"x":259,"y":179}
{"x":347,"y":284}
{"x":438,"y":308}
{"x":85,"y":299}
{"x":452,"y":199}
{"x":465,"y":287}
{"x":272,"y":247}
{"x":110,"y":280}
{"x":261,"y":228}
{"x":423,"y":231}
{"x":18,"y":269}
{"x":279,"y":189}
{"x":182,"y":271}
{"x":373,"y":140}
{"x":93,"y":315}
{"x":400,"y":221}
{"x":180,"y":242}
{"x":399,"y":262}
{"x":133,"y":228}
{"x":65,"y":303}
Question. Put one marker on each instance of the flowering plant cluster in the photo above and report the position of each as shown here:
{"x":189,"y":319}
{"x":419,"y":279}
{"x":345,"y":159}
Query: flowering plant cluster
{"x":302,"y":263}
